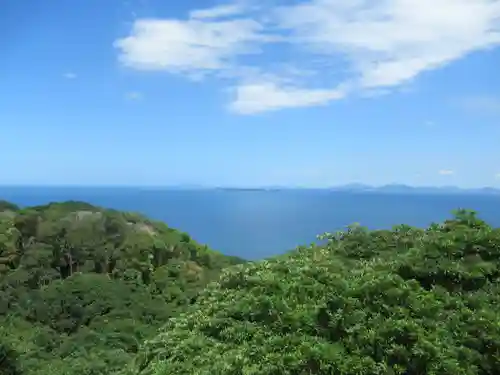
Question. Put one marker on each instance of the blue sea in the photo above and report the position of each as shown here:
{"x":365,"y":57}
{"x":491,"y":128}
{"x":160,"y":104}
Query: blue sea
{"x":259,"y":224}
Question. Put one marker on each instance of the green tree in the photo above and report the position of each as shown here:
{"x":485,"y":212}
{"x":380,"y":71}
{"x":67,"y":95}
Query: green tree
{"x":8,"y":361}
{"x":407,"y":301}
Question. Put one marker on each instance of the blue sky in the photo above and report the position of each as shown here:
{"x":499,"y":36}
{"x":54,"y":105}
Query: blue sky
{"x":250,"y":93}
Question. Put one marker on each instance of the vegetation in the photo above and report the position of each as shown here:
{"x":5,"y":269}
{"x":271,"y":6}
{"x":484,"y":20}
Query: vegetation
{"x":84,"y":290}
{"x":81,"y":287}
{"x":406,"y":301}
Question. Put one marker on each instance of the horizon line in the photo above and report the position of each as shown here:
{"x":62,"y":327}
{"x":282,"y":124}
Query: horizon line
{"x":354,"y":186}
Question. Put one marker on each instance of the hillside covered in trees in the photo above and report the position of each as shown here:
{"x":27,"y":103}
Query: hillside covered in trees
{"x":81,"y":287}
{"x":406,"y":301}
{"x":90,"y":291}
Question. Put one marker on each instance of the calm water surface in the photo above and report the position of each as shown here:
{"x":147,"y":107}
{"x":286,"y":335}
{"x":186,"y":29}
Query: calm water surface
{"x":258,"y":224}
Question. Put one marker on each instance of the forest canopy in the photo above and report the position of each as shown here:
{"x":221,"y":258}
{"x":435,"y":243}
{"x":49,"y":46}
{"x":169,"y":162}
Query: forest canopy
{"x":81,"y":287}
{"x":402,"y":301}
{"x":90,"y":291}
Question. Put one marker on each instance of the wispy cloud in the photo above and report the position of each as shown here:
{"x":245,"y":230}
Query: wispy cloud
{"x":260,"y":97}
{"x":381,"y":45}
{"x":189,"y":47}
{"x":70,"y":75}
{"x":218,"y":11}
{"x":446,"y":172}
{"x":497,"y":176}
{"x":481,"y":104}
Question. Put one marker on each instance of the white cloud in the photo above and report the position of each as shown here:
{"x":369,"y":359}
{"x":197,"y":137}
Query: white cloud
{"x":189,"y":47}
{"x":497,"y":176}
{"x":260,"y":97}
{"x":446,"y":172}
{"x":389,"y":42}
{"x":384,"y":44}
{"x":70,"y":75}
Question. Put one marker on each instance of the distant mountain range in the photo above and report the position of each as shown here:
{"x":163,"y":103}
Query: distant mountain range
{"x":390,"y":189}
{"x":399,"y":188}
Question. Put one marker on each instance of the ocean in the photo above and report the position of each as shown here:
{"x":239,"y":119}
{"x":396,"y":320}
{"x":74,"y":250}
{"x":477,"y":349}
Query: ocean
{"x":258,"y":224}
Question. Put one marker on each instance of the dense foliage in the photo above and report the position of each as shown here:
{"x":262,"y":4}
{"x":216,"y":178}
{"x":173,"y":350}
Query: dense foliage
{"x":403,"y":301}
{"x":90,"y":291}
{"x":81,"y":287}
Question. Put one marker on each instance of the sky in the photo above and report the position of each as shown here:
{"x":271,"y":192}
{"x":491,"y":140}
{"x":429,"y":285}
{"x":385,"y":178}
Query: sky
{"x":310,"y":93}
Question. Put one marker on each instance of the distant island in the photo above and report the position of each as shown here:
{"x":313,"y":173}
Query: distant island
{"x":391,"y":189}
{"x":400,"y":188}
